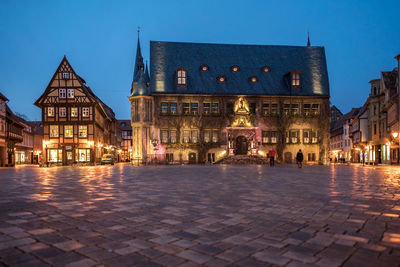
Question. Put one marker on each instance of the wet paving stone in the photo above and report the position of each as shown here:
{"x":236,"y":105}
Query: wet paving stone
{"x":200,"y":215}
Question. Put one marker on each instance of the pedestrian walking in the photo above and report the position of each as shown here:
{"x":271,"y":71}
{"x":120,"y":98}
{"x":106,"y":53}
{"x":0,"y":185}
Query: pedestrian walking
{"x":272,"y":153}
{"x":299,"y":158}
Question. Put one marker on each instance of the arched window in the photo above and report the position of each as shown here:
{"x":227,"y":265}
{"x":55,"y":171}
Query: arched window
{"x":181,"y":76}
{"x":296,"y":78}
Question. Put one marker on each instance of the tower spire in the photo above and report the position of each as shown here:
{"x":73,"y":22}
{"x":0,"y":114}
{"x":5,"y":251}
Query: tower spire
{"x":139,"y":59}
{"x":308,"y":39}
{"x":146,"y":74}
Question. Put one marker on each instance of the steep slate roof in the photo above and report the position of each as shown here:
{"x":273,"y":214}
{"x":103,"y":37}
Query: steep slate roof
{"x":124,"y":125}
{"x":166,"y":57}
{"x":109,"y":112}
{"x":337,"y":126}
{"x":37,"y":127}
{"x":389,"y":78}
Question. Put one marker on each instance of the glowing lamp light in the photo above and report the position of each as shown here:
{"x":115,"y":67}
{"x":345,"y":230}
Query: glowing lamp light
{"x":90,"y":143}
{"x":395,"y":134}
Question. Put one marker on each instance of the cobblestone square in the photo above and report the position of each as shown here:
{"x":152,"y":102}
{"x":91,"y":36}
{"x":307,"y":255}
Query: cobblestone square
{"x":200,"y":215}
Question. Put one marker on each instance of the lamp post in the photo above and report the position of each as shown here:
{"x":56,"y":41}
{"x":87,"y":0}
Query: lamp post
{"x":395,"y":134}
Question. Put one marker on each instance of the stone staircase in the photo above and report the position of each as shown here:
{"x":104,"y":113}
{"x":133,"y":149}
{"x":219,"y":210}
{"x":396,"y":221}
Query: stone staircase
{"x":243,"y":159}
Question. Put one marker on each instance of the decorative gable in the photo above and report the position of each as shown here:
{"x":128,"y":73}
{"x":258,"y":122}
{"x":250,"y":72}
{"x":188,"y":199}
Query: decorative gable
{"x":65,"y":87}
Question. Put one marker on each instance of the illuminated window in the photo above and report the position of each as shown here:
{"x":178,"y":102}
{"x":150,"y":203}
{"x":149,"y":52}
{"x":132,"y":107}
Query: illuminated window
{"x":214,"y":108}
{"x":206,"y":136}
{"x":50,"y":111}
{"x":164,"y":108}
{"x":221,"y":79}
{"x":68,"y":131}
{"x":211,"y":136}
{"x":172,"y":136}
{"x":235,"y":68}
{"x":65,"y":75}
{"x":82,"y":154}
{"x":190,"y":108}
{"x":195,"y":137}
{"x":270,"y":109}
{"x":315,"y":109}
{"x":204,"y":68}
{"x":54,"y":155}
{"x":266,"y":69}
{"x":186,"y":136}
{"x":307,"y":109}
{"x":82,"y":131}
{"x":168,"y":136}
{"x":181,"y":75}
{"x":62,"y":112}
{"x":269,"y":137}
{"x":266,"y":110}
{"x":294,"y":109}
{"x":172,"y":108}
{"x":70,"y":93}
{"x":53,"y":130}
{"x":206,"y":108}
{"x":169,"y":108}
{"x":85,"y":112}
{"x":253,"y":79}
{"x":62,"y":93}
{"x":74,"y":112}
{"x":164,"y":136}
{"x":295,"y":78}
{"x":214,"y":137}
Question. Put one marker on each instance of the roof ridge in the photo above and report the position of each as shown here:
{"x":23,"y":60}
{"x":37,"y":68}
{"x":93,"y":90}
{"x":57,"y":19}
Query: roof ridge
{"x":234,"y":44}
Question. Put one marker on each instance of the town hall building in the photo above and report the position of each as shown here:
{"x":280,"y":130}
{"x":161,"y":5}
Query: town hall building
{"x":201,"y":103}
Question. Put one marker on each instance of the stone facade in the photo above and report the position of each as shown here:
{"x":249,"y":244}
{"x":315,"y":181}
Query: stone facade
{"x":183,"y":127}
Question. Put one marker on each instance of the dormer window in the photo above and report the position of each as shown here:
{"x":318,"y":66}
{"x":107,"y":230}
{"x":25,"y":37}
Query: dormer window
{"x":221,"y":79}
{"x":65,"y":75}
{"x":235,"y":68}
{"x":181,"y":77}
{"x":204,"y":68}
{"x":253,"y":79}
{"x":266,"y":69}
{"x":295,"y":78}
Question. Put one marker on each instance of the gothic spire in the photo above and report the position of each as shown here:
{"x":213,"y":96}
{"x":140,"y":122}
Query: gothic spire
{"x":139,"y":59}
{"x":146,"y":74}
{"x":308,"y":39}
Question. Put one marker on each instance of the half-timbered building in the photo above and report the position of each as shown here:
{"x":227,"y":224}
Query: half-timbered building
{"x":206,"y":102}
{"x":77,"y":125}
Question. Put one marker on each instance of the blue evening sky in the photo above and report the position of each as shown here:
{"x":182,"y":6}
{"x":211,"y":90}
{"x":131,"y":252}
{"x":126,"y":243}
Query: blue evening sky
{"x":99,"y":38}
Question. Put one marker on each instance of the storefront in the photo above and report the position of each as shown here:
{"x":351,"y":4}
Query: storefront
{"x":69,"y":155}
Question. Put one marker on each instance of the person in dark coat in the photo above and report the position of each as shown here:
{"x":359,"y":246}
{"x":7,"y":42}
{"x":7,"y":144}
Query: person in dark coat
{"x":299,"y":158}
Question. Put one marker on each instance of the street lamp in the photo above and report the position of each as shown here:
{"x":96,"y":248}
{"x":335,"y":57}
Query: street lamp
{"x":395,"y":134}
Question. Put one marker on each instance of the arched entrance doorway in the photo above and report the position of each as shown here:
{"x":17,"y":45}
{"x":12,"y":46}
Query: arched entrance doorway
{"x":241,"y":145}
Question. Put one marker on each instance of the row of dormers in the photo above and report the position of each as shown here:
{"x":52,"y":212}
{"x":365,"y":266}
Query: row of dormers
{"x":181,"y":75}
